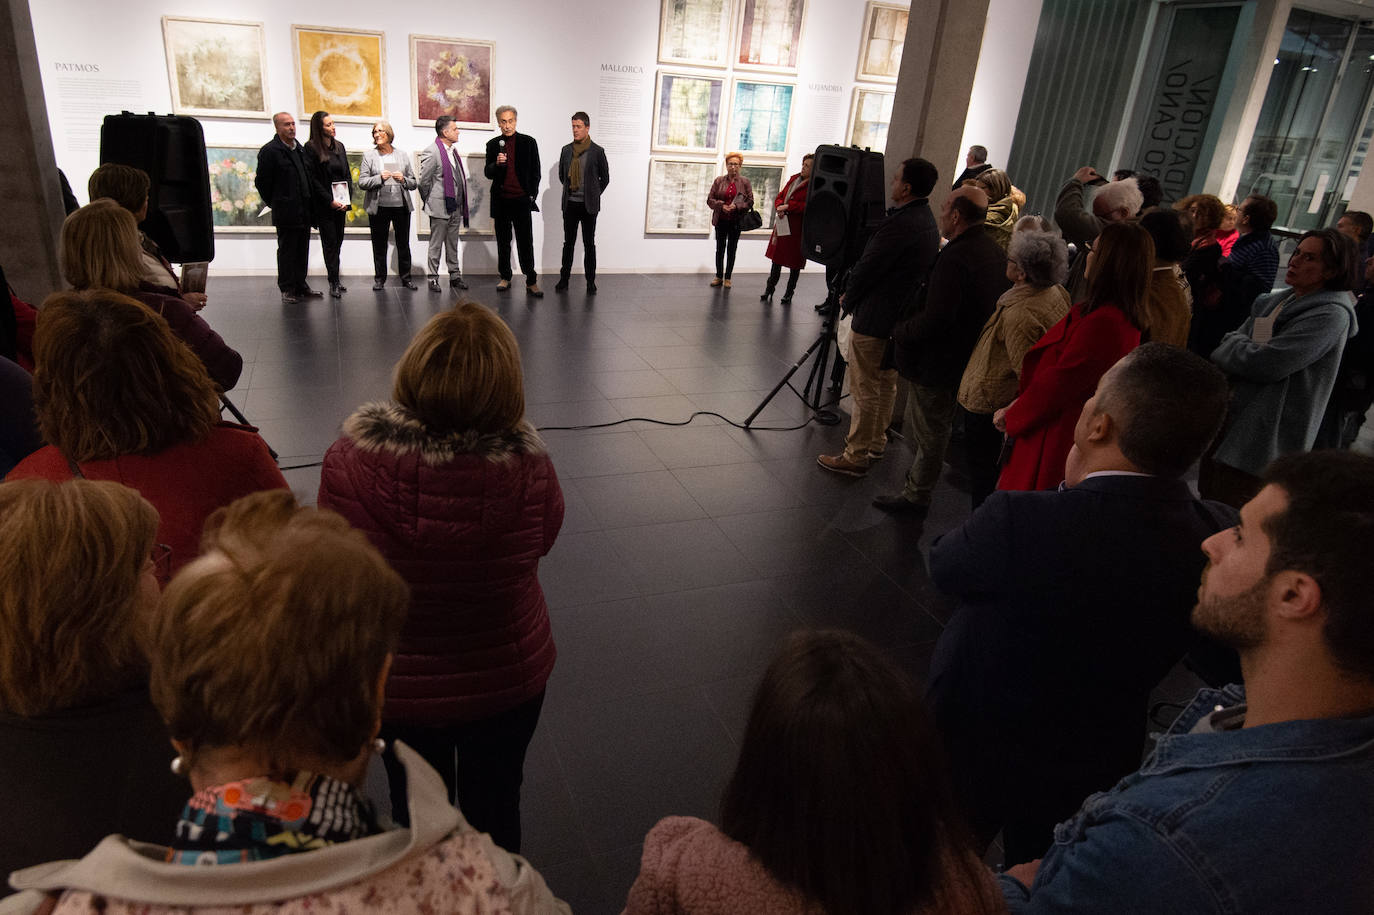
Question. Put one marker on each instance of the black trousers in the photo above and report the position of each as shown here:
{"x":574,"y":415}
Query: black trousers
{"x":982,"y":448}
{"x":331,"y":240}
{"x":775,"y":274}
{"x":379,"y":224}
{"x":293,"y":253}
{"x":515,"y":214}
{"x":727,"y":239}
{"x":482,"y":764}
{"x":574,"y":215}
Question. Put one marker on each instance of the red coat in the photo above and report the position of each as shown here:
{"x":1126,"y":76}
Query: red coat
{"x":464,"y":518}
{"x":787,"y":249}
{"x":1058,"y":375}
{"x":185,"y":482}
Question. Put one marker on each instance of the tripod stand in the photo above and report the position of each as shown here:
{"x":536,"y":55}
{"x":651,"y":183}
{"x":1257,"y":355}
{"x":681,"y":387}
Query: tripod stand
{"x":816,"y":380}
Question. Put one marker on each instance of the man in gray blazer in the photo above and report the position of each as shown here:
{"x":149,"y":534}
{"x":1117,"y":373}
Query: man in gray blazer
{"x":444,"y":192}
{"x":584,"y":174}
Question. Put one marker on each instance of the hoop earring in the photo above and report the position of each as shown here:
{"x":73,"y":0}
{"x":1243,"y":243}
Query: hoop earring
{"x":178,"y":766}
{"x":379,"y":746}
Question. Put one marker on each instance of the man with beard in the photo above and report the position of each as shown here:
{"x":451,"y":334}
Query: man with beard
{"x":1258,"y":798}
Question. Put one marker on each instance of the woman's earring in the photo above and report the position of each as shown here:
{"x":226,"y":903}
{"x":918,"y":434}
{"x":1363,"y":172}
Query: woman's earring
{"x":178,"y":766}
{"x":379,"y":746}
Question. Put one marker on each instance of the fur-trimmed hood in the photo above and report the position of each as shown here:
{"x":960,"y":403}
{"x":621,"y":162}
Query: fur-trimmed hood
{"x":390,"y":427}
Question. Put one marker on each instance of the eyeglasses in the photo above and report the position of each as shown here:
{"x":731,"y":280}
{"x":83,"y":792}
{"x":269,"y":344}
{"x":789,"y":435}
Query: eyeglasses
{"x":161,"y":558}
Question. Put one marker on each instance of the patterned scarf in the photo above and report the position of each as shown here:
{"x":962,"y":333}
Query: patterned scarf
{"x":261,"y":818}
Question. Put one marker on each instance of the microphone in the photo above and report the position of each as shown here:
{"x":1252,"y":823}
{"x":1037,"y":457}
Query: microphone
{"x":501,"y":143}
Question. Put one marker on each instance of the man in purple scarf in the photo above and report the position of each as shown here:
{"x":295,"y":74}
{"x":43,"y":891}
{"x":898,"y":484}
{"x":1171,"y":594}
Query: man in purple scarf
{"x":444,"y":193}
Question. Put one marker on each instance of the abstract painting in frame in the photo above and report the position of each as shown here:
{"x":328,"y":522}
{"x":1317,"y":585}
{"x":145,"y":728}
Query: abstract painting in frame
{"x":766,"y":180}
{"x":342,"y":71}
{"x":760,"y":114}
{"x":355,"y":219}
{"x":479,"y":212}
{"x":694,"y":32}
{"x":869,"y":116}
{"x":880,"y":49}
{"x":770,"y":35}
{"x":234,"y":201}
{"x":451,"y":76}
{"x":217,"y":67}
{"x":687,"y":108}
{"x":676,"y":203}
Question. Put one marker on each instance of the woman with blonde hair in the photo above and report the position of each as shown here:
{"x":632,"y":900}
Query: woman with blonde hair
{"x":120,"y":398}
{"x":100,"y":249}
{"x":1004,"y":204}
{"x":82,"y":751}
{"x":387,"y":179}
{"x":458,"y":492}
{"x":730,"y":197}
{"x":268,"y":656}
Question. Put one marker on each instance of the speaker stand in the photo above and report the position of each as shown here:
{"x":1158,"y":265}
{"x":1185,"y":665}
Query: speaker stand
{"x":815,"y":382}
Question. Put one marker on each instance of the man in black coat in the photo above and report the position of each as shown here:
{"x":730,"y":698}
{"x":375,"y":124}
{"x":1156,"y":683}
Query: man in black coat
{"x":933,"y":346}
{"x":882,"y":286}
{"x":1074,"y":604}
{"x":284,"y":183}
{"x":513,"y":167}
{"x":975,"y":163}
{"x":584,"y":174}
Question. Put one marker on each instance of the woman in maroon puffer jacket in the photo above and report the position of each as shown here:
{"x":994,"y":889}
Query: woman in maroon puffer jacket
{"x":458,"y":493}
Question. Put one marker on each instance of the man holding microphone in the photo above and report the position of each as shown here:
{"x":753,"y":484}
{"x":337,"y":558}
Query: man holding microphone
{"x":513,"y":167}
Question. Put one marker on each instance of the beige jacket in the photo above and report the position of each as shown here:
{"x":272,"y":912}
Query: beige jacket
{"x":993,"y":374}
{"x":440,"y":864}
{"x":1170,"y":306}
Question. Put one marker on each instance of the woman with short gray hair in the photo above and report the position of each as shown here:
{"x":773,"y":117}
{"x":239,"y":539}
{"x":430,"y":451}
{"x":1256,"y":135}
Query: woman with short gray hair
{"x":1037,"y":265}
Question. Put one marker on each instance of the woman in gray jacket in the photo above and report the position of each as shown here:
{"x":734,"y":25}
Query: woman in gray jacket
{"x":388,"y":179}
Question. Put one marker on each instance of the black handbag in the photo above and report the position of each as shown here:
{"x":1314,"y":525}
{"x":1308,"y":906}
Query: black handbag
{"x":751,"y":220}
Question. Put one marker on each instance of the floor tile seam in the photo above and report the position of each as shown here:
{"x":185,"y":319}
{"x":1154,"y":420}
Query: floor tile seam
{"x":715,"y":713}
{"x":579,"y":828}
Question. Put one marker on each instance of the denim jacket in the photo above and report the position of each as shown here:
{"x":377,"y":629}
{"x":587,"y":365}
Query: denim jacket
{"x":1275,"y":818}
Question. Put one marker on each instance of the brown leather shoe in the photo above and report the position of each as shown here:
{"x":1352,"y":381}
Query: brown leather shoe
{"x":716,"y":282}
{"x":836,"y":463}
{"x":534,"y":290}
{"x":503,"y":286}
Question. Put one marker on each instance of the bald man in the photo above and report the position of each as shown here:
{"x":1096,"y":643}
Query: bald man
{"x":285,"y":185}
{"x":933,"y":346}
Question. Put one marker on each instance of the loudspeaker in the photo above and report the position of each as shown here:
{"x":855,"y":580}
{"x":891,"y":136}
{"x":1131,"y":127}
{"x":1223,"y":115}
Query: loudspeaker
{"x":171,"y":149}
{"x":845,"y":202}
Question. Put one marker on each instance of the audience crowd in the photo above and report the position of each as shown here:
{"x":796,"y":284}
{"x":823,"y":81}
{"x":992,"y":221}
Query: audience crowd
{"x":162,"y":592}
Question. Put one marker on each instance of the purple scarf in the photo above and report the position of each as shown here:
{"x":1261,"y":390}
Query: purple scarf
{"x":450,"y":186}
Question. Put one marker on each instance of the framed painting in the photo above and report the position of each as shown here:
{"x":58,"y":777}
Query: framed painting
{"x":880,"y":49}
{"x":676,"y":203}
{"x":687,"y":108}
{"x":342,"y":71}
{"x":694,"y":32}
{"x":355,"y":220}
{"x":234,"y":202}
{"x":479,"y":186}
{"x":869,"y":116}
{"x":766,"y":180}
{"x":451,"y":76}
{"x":217,"y":67}
{"x":760,"y":114}
{"x":770,"y":35}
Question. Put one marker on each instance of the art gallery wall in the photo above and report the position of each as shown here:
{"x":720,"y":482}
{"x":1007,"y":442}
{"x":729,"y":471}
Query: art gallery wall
{"x":551,"y":59}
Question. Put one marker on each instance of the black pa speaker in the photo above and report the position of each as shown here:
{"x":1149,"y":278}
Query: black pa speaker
{"x":171,"y":149}
{"x":845,"y":202}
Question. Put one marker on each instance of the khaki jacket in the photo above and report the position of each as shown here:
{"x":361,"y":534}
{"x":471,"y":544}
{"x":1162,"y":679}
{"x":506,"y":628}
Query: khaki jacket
{"x":993,"y":374}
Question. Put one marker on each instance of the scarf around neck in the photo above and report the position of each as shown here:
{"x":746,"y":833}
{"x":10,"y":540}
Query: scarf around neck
{"x":261,"y":818}
{"x":575,"y":170}
{"x":446,"y":160}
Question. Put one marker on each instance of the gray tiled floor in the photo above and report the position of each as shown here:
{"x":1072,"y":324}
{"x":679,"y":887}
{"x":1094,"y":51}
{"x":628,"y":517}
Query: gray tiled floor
{"x":687,"y":552}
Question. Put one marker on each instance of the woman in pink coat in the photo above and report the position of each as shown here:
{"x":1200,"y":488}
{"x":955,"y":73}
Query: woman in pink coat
{"x":839,"y":804}
{"x":457,"y":491}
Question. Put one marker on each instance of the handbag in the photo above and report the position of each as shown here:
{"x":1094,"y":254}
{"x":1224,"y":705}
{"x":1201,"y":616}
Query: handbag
{"x":751,"y":220}
{"x":844,"y":337}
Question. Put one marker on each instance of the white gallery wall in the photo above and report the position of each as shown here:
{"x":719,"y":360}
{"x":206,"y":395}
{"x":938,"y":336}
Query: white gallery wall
{"x":551,"y":58}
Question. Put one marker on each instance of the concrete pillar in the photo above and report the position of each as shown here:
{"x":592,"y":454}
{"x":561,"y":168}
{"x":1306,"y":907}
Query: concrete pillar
{"x":28,"y":182}
{"x":939,"y":60}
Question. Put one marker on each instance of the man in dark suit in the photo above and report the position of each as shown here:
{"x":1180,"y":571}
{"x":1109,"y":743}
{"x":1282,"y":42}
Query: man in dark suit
{"x":285,"y":185}
{"x":513,"y":167}
{"x":975,"y":163}
{"x":584,"y":174}
{"x":933,"y":345}
{"x":882,"y":285}
{"x":1073,"y":604}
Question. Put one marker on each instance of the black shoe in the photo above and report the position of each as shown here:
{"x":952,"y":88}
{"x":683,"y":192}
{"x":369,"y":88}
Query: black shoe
{"x":561,"y":286}
{"x":591,"y":288}
{"x":342,"y":287}
{"x":456,"y":282}
{"x":407,"y":282}
{"x":900,"y":505}
{"x":378,"y":285}
{"x":786,"y":299}
{"x":434,"y":285}
{"x":335,"y":291}
{"x":306,"y":292}
{"x":290,"y":298}
{"x":767,"y":295}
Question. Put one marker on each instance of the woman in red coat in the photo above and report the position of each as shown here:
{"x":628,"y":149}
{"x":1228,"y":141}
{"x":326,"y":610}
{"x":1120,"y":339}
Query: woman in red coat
{"x":1061,"y":371}
{"x":456,"y":490}
{"x":784,"y":249}
{"x":118,"y":397}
